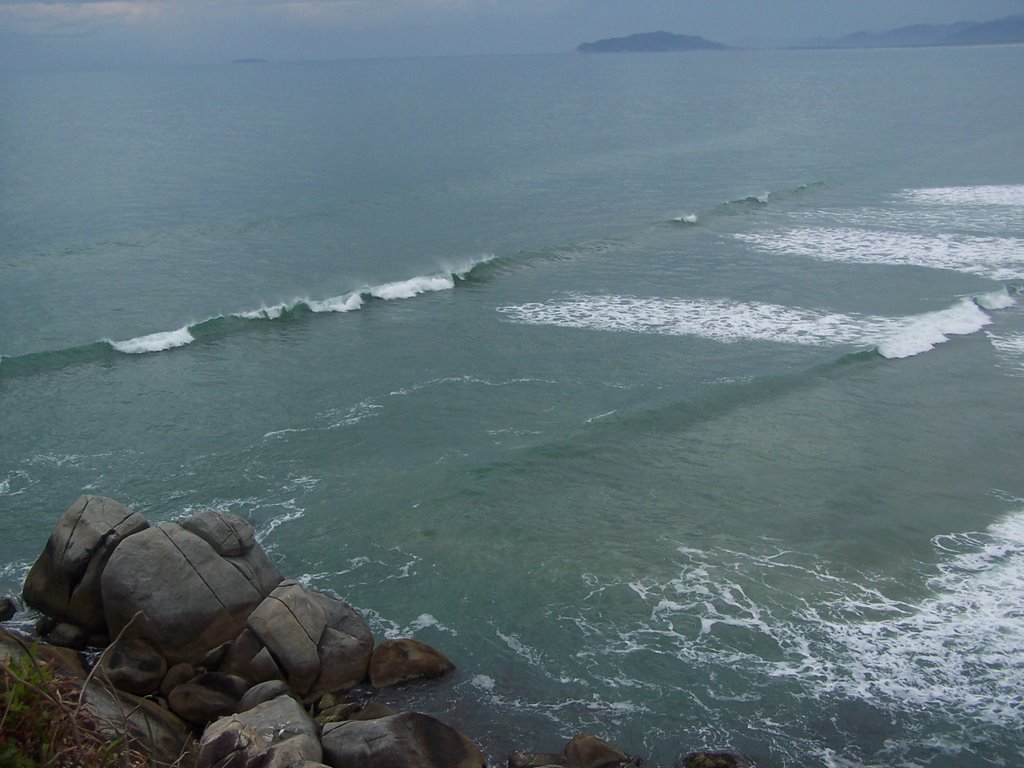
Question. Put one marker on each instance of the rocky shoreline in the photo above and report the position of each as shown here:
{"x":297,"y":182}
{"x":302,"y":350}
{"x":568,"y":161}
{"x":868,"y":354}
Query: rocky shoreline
{"x":203,"y":654}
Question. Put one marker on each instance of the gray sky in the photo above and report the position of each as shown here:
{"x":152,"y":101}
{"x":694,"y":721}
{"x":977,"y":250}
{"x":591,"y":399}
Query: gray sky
{"x":100,"y":32}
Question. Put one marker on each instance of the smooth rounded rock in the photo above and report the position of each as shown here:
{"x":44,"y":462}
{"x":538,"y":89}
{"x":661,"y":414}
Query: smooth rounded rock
{"x":404,"y":659}
{"x":262,"y":692}
{"x":65,"y":581}
{"x":177,"y":675}
{"x":406,"y":739}
{"x":229,"y":535}
{"x":587,"y":751}
{"x":179,"y":594}
{"x":8,"y":607}
{"x":275,"y":734}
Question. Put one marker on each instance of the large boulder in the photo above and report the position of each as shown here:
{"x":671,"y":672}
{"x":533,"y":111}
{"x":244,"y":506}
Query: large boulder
{"x":180,"y":592}
{"x":406,"y":739}
{"x":65,"y":581}
{"x":403,"y":659}
{"x":587,"y":751}
{"x":315,"y":642}
{"x":275,"y":734}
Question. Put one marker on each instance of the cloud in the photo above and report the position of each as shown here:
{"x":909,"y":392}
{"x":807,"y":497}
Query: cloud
{"x":78,"y":18}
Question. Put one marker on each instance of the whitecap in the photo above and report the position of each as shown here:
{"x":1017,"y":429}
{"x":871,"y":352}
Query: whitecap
{"x":346,"y":303}
{"x":730,"y":321}
{"x":407,"y":289}
{"x":154,"y":342}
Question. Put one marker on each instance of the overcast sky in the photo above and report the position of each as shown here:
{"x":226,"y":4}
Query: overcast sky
{"x":89,"y":33}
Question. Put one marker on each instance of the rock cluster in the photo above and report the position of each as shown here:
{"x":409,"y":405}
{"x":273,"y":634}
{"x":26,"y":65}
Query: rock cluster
{"x":212,"y":659}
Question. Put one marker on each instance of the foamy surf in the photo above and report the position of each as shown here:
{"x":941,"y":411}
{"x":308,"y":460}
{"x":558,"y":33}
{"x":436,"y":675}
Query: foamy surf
{"x":347,"y":302}
{"x":154,"y":342}
{"x":992,"y":194}
{"x":998,"y":258}
{"x":728,"y":321}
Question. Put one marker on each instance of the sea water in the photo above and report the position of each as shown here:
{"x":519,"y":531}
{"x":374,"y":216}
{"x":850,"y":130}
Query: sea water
{"x":677,"y":398}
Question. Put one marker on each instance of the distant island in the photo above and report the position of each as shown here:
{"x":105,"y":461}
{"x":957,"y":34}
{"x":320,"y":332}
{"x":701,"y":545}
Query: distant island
{"x":651,"y":42}
{"x":1009,"y":29}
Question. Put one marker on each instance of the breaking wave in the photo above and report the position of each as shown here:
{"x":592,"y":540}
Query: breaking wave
{"x":219,"y":325}
{"x":728,"y":321}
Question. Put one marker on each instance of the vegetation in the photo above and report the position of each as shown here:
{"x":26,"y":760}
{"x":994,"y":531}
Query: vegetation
{"x":43,"y":725}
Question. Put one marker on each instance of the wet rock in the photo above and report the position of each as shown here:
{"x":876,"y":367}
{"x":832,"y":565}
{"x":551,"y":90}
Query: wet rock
{"x":404,"y":659}
{"x":406,"y":739}
{"x":275,"y":734}
{"x":65,"y":581}
{"x":8,"y":607}
{"x":180,"y":594}
{"x":133,"y":665}
{"x":716,"y":760}
{"x":587,"y":751}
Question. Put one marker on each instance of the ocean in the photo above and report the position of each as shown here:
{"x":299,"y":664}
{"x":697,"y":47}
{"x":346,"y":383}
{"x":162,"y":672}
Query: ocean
{"x":677,"y":398}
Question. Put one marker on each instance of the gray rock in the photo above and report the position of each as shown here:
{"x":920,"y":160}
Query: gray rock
{"x":404,"y":659}
{"x":587,"y":751}
{"x":275,"y":734}
{"x":289,"y":623}
{"x":345,"y":647}
{"x":181,"y":595}
{"x":406,"y":739}
{"x":65,"y":581}
{"x":133,"y":665}
{"x":229,"y":535}
{"x":317,"y":643}
{"x":262,"y":692}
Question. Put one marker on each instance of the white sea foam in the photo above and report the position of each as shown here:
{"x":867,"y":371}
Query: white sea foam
{"x":406,"y":289}
{"x":999,"y":258}
{"x":1000,"y":299}
{"x":266,"y":313}
{"x":959,"y":649}
{"x":345,"y":303}
{"x":154,"y":342}
{"x":1008,"y":194}
{"x":1011,"y":349}
{"x":923,"y":332}
{"x":731,"y":321}
{"x":689,"y":218}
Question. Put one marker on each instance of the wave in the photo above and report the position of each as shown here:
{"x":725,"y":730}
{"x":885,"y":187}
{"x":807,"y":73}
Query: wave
{"x":729,"y":321}
{"x":219,"y":325}
{"x":746,"y":203}
{"x":998,"y":258}
{"x":1002,"y":195}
